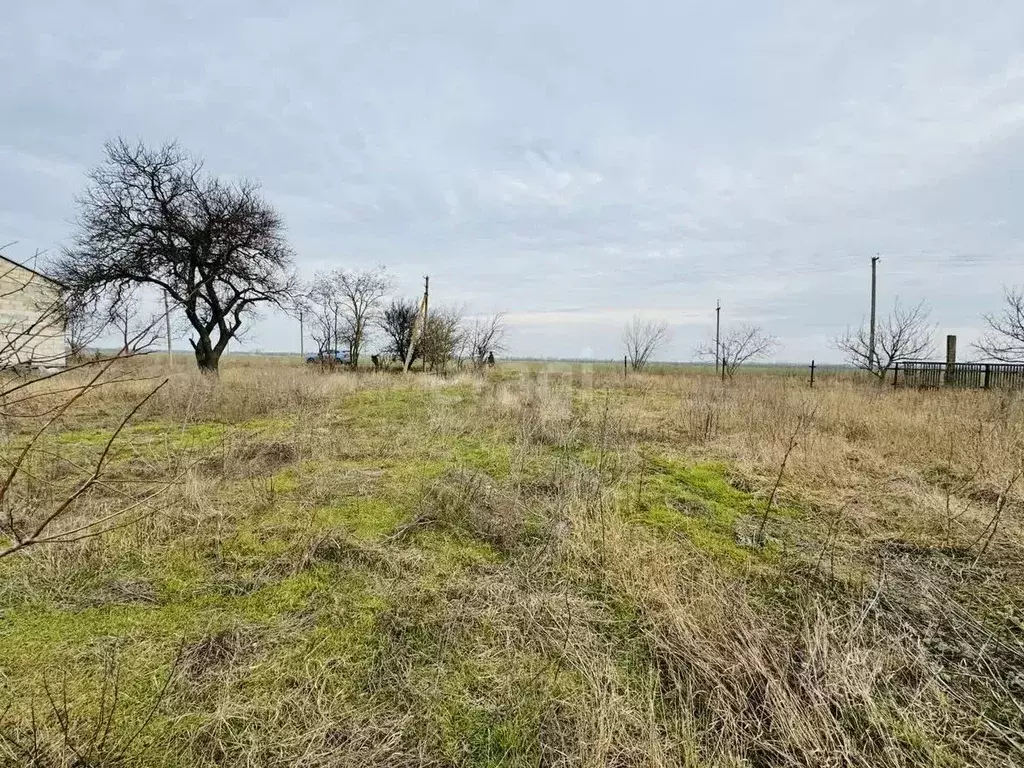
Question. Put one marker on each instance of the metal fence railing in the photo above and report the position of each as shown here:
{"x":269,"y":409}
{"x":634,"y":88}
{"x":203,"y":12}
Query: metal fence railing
{"x":919,"y":373}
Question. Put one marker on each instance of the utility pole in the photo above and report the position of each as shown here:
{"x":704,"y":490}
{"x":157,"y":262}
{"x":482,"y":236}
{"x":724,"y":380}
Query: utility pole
{"x":871,"y":332}
{"x":421,"y":321}
{"x":718,"y":331}
{"x":302,"y":337}
{"x":167,"y":318}
{"x":426,"y":305}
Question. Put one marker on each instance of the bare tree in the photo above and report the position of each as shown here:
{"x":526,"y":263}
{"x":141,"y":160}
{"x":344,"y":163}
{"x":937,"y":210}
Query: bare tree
{"x":83,"y":327}
{"x":642,"y":338}
{"x":322,"y":306}
{"x":153,"y":217}
{"x":485,"y":336}
{"x":444,"y":338}
{"x":398,"y":322}
{"x":904,"y":334}
{"x":1004,"y":340}
{"x":739,"y":346}
{"x":360,"y":294}
{"x":135,"y":331}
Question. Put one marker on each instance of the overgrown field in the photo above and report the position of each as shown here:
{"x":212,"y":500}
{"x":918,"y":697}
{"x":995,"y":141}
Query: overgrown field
{"x":522,"y":569}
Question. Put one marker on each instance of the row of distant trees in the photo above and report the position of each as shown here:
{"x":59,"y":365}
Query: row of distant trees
{"x":152,"y":220}
{"x":642,"y":338}
{"x":905,"y":333}
{"x":346,"y":308}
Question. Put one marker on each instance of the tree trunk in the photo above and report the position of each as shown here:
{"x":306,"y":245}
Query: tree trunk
{"x":207,"y":356}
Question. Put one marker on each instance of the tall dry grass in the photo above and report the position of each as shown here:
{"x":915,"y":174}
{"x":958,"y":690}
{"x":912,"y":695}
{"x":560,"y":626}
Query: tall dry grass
{"x":470,"y":571}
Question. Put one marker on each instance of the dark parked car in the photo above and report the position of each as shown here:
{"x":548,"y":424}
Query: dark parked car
{"x":329,"y":356}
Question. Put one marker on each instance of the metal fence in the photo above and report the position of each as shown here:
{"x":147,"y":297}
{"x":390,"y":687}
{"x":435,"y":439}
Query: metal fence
{"x":960,"y":375}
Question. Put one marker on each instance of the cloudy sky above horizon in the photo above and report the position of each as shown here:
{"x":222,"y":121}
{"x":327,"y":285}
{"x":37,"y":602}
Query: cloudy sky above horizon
{"x":569,"y":163}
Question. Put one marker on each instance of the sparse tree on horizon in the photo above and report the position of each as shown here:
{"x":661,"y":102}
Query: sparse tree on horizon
{"x":444,"y":339}
{"x":485,"y":337}
{"x":1004,"y":340}
{"x":738,"y":347}
{"x":398,"y":322}
{"x":904,"y":334}
{"x":153,"y":217}
{"x":642,"y":338}
{"x":361,"y":293}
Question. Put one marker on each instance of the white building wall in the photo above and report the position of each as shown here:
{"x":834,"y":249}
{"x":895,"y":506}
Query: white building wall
{"x":31,"y":328}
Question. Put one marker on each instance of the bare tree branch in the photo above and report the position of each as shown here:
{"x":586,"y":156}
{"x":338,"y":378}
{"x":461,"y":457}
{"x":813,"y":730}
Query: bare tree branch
{"x":739,"y":346}
{"x":1004,"y":340}
{"x":904,"y":334}
{"x":484,"y":337}
{"x":642,"y":338}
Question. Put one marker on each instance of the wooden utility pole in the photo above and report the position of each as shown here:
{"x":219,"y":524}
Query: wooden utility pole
{"x":871,"y":332}
{"x":167,"y":318}
{"x":302,"y":337}
{"x":718,"y":332}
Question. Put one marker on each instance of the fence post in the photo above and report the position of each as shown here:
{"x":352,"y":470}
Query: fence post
{"x":895,"y":375}
{"x":812,"y":373}
{"x":985,"y":384}
{"x":623,"y":366}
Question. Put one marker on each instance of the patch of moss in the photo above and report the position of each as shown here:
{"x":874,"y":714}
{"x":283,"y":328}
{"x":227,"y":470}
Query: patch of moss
{"x":451,"y":552}
{"x":476,"y":736}
{"x":364,"y":518}
{"x":372,"y":406}
{"x":699,"y":502}
{"x":178,"y":435}
{"x":494,"y":458}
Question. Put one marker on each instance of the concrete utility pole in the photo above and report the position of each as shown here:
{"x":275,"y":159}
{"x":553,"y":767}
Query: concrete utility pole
{"x":871,"y":333}
{"x":421,"y":321}
{"x":718,"y":332}
{"x":426,"y":305}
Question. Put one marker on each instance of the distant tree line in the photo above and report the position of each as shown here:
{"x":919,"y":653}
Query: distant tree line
{"x":348,"y":307}
{"x":151,"y":220}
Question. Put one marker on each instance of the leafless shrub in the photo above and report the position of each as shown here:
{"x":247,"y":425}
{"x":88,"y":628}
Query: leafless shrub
{"x":398,"y":323}
{"x":444,"y":340}
{"x":904,"y":334}
{"x":1004,"y":340}
{"x":642,"y":338}
{"x":739,"y":346}
{"x":66,"y":733}
{"x":485,"y":337}
{"x":93,"y":505}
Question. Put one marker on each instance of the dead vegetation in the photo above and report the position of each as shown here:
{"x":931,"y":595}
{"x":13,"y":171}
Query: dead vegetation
{"x":532,"y":569}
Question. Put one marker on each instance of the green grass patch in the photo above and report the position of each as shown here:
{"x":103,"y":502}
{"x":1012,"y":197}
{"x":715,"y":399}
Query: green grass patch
{"x":700,"y":502}
{"x":364,"y":518}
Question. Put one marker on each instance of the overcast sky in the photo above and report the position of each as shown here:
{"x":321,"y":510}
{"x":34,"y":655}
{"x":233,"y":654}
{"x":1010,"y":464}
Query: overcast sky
{"x":569,"y":162}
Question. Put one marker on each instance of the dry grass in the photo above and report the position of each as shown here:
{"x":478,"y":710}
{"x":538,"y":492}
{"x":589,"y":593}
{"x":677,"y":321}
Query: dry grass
{"x":528,"y":569}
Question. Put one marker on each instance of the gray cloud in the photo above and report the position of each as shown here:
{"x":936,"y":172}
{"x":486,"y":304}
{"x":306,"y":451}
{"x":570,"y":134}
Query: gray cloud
{"x":570,"y":163}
